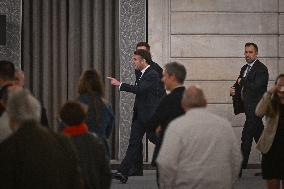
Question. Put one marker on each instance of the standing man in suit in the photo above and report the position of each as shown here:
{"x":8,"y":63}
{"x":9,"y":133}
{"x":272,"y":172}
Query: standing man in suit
{"x":151,"y":136}
{"x":253,"y":81}
{"x":146,"y":101}
{"x":170,"y":105}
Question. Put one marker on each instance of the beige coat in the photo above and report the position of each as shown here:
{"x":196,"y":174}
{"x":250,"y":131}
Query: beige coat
{"x":264,"y":108}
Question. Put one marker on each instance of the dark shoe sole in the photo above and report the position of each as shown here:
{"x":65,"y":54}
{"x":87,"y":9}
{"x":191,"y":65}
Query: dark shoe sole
{"x":118,"y":176}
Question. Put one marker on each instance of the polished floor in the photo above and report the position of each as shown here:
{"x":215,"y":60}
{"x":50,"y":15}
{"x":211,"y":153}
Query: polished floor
{"x":248,"y":181}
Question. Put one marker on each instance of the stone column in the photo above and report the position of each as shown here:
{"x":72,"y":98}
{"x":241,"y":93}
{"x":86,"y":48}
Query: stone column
{"x":12,"y":50}
{"x":132,"y":29}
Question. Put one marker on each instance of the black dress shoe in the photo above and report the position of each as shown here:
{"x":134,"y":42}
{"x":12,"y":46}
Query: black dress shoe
{"x":119,"y":176}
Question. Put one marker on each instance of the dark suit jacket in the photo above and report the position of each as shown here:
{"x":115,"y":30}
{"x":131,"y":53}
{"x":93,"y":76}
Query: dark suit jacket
{"x":93,"y":161}
{"x":159,"y":70}
{"x":238,"y":103}
{"x":168,"y":109}
{"x":147,"y":98}
{"x":35,"y":157}
{"x":254,"y":84}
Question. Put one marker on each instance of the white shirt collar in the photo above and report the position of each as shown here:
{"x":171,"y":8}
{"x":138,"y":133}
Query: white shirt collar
{"x":142,"y":71}
{"x":251,"y":64}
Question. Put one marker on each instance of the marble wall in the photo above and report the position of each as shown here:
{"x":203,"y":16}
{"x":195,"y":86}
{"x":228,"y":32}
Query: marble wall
{"x":132,"y":26}
{"x":12,"y":50}
{"x":208,"y":37}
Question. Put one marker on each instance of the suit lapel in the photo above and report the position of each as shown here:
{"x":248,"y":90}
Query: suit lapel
{"x":145,"y":73}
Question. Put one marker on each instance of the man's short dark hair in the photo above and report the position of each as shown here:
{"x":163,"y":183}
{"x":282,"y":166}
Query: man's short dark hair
{"x":144,"y":54}
{"x":252,"y":44}
{"x":177,"y":69}
{"x":7,"y":70}
{"x":72,"y":113}
{"x":143,"y":44}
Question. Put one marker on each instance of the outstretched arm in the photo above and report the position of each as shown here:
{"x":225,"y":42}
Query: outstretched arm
{"x":114,"y":81}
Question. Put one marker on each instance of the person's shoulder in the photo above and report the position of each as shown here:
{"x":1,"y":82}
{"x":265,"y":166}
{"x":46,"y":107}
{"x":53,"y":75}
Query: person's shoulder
{"x":179,"y":122}
{"x":155,"y":65}
{"x":260,"y":65}
{"x":179,"y":90}
{"x":151,"y":71}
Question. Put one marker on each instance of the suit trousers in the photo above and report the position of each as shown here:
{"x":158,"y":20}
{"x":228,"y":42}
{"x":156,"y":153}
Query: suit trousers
{"x":252,"y":130}
{"x":133,"y":159}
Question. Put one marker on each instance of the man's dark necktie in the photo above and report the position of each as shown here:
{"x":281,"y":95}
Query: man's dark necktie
{"x":248,"y":70}
{"x":242,"y":90}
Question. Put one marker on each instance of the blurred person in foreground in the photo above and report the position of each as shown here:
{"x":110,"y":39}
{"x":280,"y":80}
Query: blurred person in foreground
{"x":100,"y":117}
{"x":5,"y":129}
{"x":271,"y":142}
{"x":92,"y":156}
{"x":35,"y":157}
{"x":196,"y":152}
{"x":20,"y":81}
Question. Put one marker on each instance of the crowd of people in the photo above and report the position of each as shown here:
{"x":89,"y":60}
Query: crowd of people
{"x":32,"y":155}
{"x":194,"y":148}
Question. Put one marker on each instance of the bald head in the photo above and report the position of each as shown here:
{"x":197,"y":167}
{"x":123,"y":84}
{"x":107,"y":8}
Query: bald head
{"x":193,"y":97}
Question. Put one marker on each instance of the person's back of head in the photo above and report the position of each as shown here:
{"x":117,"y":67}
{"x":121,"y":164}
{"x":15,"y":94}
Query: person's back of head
{"x":91,"y":82}
{"x":72,"y":113}
{"x":22,"y":106}
{"x":193,"y":97}
{"x":7,"y":71}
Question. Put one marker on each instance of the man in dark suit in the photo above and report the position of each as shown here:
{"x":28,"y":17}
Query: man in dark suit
{"x":146,"y":101}
{"x":170,"y":105}
{"x":253,"y":81}
{"x":161,"y":89}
